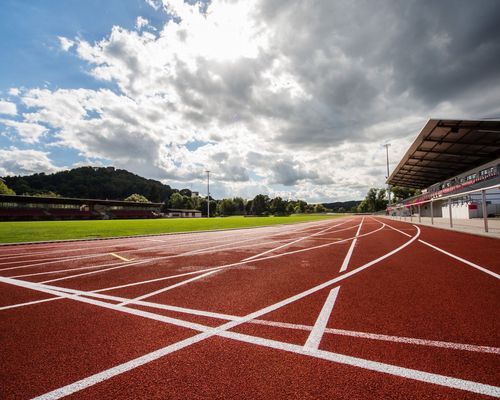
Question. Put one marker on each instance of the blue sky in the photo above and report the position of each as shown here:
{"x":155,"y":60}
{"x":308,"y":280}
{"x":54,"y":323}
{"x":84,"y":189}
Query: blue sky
{"x":285,"y":98}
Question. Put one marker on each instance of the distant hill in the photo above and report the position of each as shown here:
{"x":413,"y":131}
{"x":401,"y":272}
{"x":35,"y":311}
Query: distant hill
{"x":91,"y":183}
{"x":342,"y":206}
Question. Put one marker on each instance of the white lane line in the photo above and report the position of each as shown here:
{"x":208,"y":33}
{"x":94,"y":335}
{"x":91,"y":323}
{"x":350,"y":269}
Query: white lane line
{"x":351,"y":249}
{"x":387,"y":338}
{"x":222,"y":331}
{"x":206,"y":270}
{"x":173,"y":240}
{"x":35,"y":263}
{"x":422,"y":376}
{"x":61,"y":271}
{"x":210,"y":249}
{"x":162,"y":290}
{"x":188,"y":273}
{"x":211,"y":272}
{"x":463,"y":260}
{"x":120,"y":257}
{"x":318,"y":329}
{"x":294,"y":241}
{"x":29,"y":303}
{"x":478,"y":267}
{"x":228,"y":317}
{"x":218,"y":267}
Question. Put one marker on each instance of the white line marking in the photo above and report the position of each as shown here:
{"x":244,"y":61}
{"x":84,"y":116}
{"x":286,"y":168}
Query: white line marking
{"x":294,"y":241}
{"x":478,"y":267}
{"x":222,"y":331}
{"x":351,"y":249}
{"x":120,"y":257}
{"x":61,"y":271}
{"x":421,"y":376}
{"x":205,"y":270}
{"x":470,"y":263}
{"x":387,"y":338}
{"x":145,"y":296}
{"x":317,"y":331}
{"x":342,"y":332}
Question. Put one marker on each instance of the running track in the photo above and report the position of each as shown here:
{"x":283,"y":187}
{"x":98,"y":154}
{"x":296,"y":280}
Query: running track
{"x":352,"y":308}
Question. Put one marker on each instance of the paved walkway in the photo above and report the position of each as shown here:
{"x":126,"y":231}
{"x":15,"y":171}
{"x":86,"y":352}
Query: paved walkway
{"x":474,"y":226}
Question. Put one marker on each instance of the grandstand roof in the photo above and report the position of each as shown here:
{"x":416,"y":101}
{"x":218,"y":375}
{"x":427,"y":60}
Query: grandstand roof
{"x":445,"y":148}
{"x":72,"y":201}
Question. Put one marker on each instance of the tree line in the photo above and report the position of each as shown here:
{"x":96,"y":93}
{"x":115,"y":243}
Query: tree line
{"x":260,"y":205}
{"x":376,"y":199}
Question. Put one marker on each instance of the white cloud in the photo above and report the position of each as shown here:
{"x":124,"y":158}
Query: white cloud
{"x":14,"y":91}
{"x":279,"y":96}
{"x":27,"y":132}
{"x":65,"y":43}
{"x":8,"y":108}
{"x":141,"y":22}
{"x":14,"y":161}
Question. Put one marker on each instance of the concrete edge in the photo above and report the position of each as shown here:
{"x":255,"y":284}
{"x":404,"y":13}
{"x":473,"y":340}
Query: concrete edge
{"x":444,"y":228}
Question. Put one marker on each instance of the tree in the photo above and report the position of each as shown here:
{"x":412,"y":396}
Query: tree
{"x":239,"y":205}
{"x":154,"y":194}
{"x":186,"y":192}
{"x":260,"y":204}
{"x":226,"y":207}
{"x":374,"y":201}
{"x":46,"y":194}
{"x":278,"y":206}
{"x":176,"y":200}
{"x":400,"y":193}
{"x":290,"y":208}
{"x":4,"y":189}
{"x":319,"y":208}
{"x":138,"y":198}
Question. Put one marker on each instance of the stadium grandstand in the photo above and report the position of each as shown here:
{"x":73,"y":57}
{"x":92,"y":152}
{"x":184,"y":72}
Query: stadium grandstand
{"x":456,"y":166}
{"x":15,"y":208}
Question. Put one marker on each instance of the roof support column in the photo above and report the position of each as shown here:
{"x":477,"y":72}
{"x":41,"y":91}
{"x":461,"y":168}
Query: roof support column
{"x":451,"y":216}
{"x":432,"y":212}
{"x":485,"y":211}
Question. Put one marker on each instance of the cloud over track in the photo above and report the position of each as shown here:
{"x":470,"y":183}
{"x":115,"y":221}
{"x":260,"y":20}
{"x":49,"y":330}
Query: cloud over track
{"x":284,"y":96}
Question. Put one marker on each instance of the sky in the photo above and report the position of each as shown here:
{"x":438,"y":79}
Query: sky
{"x":281,"y":97}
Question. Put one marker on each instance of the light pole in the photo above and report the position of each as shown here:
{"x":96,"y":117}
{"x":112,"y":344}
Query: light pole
{"x":208,"y":194}
{"x":388,"y":185}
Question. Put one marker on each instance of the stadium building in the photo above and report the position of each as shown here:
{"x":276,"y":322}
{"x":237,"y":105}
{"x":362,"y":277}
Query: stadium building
{"x":456,"y":165}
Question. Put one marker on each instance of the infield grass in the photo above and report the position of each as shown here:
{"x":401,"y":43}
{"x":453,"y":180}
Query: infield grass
{"x":35,"y":231}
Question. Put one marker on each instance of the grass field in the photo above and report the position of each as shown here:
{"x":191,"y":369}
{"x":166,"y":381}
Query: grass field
{"x":34,"y":231}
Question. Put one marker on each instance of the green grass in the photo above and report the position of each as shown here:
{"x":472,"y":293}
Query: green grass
{"x":34,"y":231}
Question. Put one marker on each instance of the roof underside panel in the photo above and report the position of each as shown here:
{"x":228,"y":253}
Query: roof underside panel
{"x":446,"y":148}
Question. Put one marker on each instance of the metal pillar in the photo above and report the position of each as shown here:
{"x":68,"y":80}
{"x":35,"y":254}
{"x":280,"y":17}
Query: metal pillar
{"x":451,"y":217}
{"x":208,"y":194}
{"x":485,"y":211}
{"x":432,"y":213}
{"x":419,"y":214}
{"x":411,"y":213}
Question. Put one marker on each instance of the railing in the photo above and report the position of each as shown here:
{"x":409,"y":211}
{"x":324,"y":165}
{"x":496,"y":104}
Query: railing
{"x":406,"y":210}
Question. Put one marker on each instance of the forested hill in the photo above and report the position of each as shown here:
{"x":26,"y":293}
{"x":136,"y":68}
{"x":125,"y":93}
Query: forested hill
{"x":91,"y":183}
{"x":342,"y":206}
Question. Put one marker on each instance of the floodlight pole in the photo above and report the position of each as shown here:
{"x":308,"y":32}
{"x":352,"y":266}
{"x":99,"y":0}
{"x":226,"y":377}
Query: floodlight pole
{"x":208,"y":194}
{"x":388,"y":185}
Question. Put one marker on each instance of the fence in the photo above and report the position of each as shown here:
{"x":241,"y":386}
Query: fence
{"x":462,"y":205}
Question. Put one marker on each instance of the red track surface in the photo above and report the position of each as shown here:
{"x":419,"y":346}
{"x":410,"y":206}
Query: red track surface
{"x":358,"y":308}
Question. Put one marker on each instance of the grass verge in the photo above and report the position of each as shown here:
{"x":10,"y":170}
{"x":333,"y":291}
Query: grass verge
{"x":35,"y":231}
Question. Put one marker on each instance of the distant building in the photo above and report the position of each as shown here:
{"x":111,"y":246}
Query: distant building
{"x":181,"y":213}
{"x":195,"y":194}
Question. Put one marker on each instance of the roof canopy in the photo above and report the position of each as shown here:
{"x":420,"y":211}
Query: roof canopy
{"x":446,"y":148}
{"x":72,"y":201}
